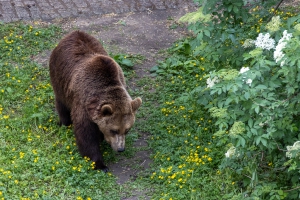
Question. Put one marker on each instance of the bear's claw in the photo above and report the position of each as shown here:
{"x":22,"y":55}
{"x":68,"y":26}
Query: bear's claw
{"x":101,"y":166}
{"x":105,"y":170}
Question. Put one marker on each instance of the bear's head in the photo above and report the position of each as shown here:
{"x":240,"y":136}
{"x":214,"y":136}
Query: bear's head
{"x":115,"y":120}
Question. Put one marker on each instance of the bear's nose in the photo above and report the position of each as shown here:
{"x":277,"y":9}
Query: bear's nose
{"x":121,"y":149}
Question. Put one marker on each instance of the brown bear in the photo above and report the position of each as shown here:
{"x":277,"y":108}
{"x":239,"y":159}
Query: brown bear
{"x":90,"y":92}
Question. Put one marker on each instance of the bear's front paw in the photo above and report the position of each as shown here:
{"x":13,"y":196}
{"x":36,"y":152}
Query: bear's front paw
{"x":100,"y":165}
{"x":105,"y":170}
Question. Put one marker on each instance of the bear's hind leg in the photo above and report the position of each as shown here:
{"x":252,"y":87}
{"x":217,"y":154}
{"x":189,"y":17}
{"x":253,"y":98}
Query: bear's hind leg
{"x":63,"y":113}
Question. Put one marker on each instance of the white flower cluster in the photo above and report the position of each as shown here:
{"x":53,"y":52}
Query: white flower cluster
{"x":264,"y":41}
{"x":249,"y":81}
{"x":295,"y":147}
{"x":278,"y":54}
{"x":211,"y":82}
{"x":230,"y":152}
{"x":243,"y":70}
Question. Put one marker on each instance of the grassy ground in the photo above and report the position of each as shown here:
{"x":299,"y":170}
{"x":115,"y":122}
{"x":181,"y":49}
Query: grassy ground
{"x":185,"y":155}
{"x":39,"y":159}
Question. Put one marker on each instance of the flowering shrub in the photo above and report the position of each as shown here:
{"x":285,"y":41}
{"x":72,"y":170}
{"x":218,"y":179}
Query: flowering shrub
{"x":261,"y":109}
{"x":250,"y":89}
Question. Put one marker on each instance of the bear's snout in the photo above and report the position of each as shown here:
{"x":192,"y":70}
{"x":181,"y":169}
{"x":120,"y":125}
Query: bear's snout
{"x":121,"y":149}
{"x":116,"y":142}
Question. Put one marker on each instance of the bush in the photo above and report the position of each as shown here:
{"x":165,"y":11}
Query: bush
{"x":252,"y":90}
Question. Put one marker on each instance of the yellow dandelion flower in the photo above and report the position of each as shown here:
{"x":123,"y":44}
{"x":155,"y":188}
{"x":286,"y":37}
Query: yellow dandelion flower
{"x":22,"y":154}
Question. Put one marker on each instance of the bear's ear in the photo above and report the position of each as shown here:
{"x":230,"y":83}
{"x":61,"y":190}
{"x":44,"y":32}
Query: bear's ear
{"x":136,"y":103}
{"x":106,"y":110}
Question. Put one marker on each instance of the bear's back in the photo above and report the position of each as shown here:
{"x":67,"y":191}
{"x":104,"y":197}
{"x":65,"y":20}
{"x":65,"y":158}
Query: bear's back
{"x":79,"y":44}
{"x":70,"y":55}
{"x":79,"y":61}
{"x":83,"y":44}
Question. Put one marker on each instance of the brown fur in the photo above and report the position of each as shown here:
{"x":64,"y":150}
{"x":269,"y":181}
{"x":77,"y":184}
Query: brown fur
{"x":90,"y":92}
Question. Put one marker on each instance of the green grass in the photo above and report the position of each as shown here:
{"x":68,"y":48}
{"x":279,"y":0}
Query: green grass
{"x":185,"y":155}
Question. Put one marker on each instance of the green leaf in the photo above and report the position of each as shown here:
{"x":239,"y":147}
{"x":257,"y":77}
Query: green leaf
{"x":200,"y":36}
{"x":153,"y":69}
{"x":250,"y":123}
{"x":247,"y":95}
{"x":126,"y":62}
{"x":207,"y":33}
{"x":280,"y":192}
{"x":235,"y":9}
{"x":256,"y":109}
{"x":254,"y":131}
{"x":9,"y":90}
{"x":290,"y":90}
{"x":263,"y":141}
{"x":261,"y":87}
{"x":241,"y":141}
{"x":228,"y":101}
{"x":231,"y":36}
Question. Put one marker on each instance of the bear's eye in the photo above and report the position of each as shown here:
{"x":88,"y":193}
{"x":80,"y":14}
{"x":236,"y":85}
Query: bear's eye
{"x":114,"y":132}
{"x":127,"y":130}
